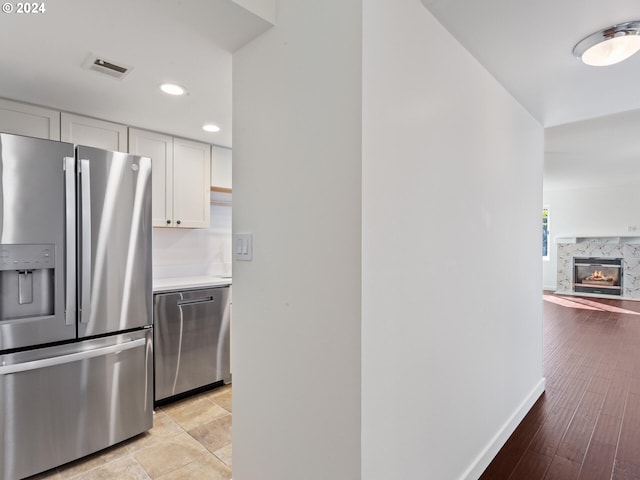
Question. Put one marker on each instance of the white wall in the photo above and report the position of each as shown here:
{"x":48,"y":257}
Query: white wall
{"x":181,"y":252}
{"x":589,"y":212}
{"x":297,"y":188}
{"x":452,"y":315}
{"x":423,"y":203}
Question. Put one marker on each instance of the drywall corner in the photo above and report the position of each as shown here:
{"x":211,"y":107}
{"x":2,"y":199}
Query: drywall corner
{"x":265,"y":9}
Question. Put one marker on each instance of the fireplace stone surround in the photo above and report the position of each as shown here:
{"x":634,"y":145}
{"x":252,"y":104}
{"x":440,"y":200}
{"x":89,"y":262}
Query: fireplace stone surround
{"x":627,"y":248}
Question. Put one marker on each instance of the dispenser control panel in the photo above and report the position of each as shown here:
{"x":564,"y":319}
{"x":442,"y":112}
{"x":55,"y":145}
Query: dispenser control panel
{"x":26,"y":256}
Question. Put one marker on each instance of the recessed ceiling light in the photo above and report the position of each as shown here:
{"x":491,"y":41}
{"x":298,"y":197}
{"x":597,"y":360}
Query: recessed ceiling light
{"x":209,"y":127}
{"x":173,"y":89}
{"x":610,"y":45}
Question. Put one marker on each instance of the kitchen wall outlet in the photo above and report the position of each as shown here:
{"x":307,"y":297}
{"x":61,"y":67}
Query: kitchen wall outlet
{"x":631,"y":228}
{"x":243,"y":246}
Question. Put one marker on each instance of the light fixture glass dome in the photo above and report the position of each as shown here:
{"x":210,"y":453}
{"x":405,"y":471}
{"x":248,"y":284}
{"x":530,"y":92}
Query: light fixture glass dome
{"x":210,"y":127}
{"x":609,"y":46}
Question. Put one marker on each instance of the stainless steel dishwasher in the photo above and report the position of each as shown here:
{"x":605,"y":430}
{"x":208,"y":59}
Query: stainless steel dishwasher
{"x":191,"y":340}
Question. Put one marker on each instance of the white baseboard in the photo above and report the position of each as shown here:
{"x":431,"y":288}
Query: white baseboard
{"x":495,"y":444}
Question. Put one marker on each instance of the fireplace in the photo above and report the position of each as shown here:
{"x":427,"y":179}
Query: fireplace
{"x":597,"y":275}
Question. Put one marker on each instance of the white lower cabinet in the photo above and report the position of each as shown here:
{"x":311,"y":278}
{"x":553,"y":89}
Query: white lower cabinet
{"x":181,"y":175}
{"x":29,"y":120}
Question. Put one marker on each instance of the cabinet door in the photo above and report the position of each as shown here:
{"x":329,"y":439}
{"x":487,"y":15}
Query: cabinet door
{"x":191,"y":178}
{"x":29,"y":120}
{"x":220,"y":168}
{"x":160,"y":148}
{"x":93,"y":133}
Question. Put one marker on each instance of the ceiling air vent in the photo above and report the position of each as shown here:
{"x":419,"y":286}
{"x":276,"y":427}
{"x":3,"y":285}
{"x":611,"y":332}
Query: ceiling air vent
{"x":108,"y":67}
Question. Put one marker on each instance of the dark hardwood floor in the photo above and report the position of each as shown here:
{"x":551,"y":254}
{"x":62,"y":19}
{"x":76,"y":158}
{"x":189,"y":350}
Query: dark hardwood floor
{"x":586,"y":425}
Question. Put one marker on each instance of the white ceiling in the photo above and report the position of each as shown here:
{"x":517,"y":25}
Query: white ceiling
{"x":526,"y":45}
{"x":189,"y":42}
{"x":603,"y":151}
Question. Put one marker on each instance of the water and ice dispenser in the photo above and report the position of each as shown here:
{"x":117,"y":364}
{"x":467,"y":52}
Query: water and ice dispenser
{"x":27,"y":281}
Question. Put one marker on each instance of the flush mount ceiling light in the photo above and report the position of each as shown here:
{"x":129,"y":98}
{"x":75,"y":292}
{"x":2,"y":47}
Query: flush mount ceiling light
{"x":610,"y":45}
{"x":173,"y":89}
{"x":210,"y":127}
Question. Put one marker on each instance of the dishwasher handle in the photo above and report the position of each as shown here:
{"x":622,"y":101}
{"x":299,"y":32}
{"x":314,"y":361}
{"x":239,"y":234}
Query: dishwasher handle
{"x":195,"y":301}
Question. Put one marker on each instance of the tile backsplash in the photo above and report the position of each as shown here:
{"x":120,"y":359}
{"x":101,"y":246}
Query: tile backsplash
{"x":179,"y":252}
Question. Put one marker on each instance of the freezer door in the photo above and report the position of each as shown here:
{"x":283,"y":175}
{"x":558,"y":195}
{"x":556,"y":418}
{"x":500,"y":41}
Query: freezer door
{"x":37,"y":270}
{"x":61,"y":403}
{"x":191,"y":340}
{"x":114,"y":267}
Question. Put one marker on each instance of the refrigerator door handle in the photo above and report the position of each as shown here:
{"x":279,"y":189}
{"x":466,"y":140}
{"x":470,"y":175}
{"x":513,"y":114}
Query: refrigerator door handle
{"x":85,"y":184}
{"x":70,"y":217}
{"x":72,"y":357}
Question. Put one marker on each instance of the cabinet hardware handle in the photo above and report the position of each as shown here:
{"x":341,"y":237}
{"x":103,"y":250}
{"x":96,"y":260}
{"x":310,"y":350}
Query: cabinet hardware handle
{"x":168,"y":222}
{"x":178,"y":222}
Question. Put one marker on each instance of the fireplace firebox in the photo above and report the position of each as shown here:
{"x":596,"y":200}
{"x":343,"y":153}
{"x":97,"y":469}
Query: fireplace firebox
{"x":597,"y":275}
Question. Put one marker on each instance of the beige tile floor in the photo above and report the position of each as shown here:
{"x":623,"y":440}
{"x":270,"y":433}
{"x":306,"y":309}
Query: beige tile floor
{"x":190,"y":439}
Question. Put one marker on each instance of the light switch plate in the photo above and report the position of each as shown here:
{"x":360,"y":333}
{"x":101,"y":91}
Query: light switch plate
{"x":243,"y":246}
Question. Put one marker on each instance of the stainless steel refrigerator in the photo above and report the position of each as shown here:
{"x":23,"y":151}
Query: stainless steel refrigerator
{"x":75,"y":302}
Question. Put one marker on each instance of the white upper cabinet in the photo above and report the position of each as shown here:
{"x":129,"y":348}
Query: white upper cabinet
{"x":180,"y":172}
{"x":92,"y":132}
{"x":160,"y":148}
{"x":29,"y":120}
{"x":191,"y":178}
{"x":181,"y":169}
{"x":220,"y":168}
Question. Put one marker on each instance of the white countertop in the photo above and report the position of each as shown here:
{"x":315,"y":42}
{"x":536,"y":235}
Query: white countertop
{"x":181,"y":283}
